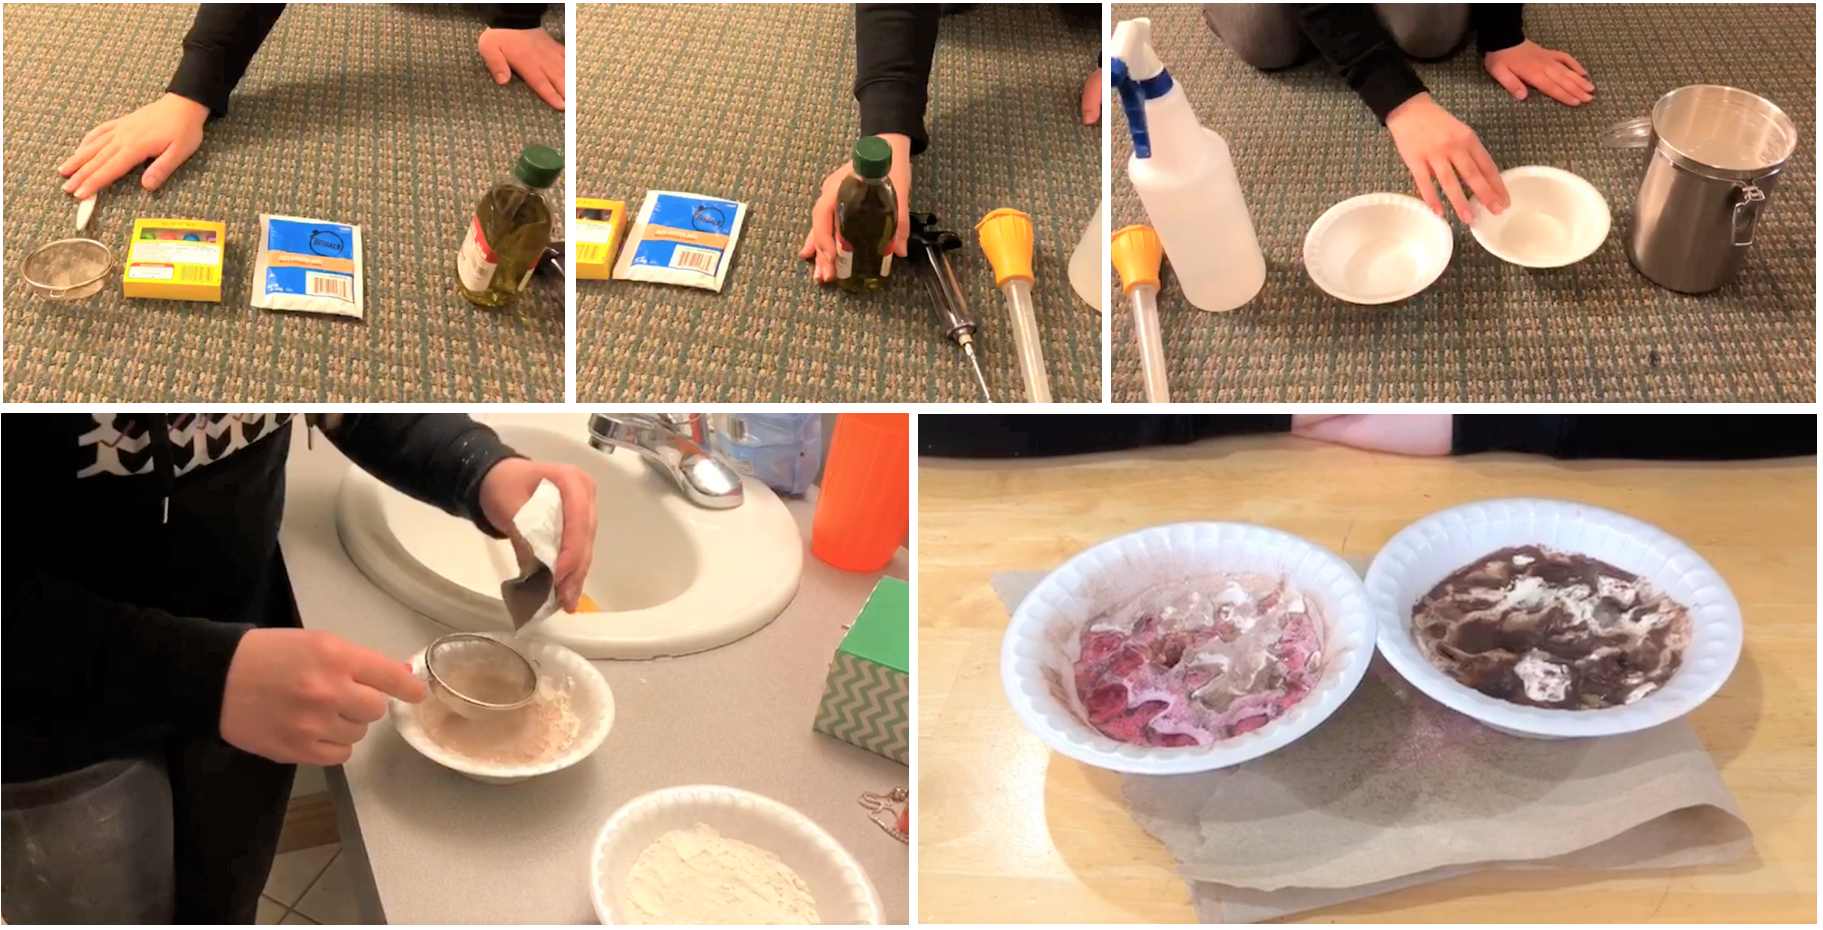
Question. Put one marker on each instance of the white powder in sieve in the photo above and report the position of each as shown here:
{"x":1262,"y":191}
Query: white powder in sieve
{"x":533,"y":733}
{"x":698,"y":876}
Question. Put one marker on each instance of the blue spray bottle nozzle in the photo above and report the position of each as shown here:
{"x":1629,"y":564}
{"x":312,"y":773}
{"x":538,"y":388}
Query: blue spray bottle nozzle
{"x":1133,"y":101}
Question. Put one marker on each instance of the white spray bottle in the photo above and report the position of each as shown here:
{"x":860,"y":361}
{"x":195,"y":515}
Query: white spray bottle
{"x":1186,"y":180}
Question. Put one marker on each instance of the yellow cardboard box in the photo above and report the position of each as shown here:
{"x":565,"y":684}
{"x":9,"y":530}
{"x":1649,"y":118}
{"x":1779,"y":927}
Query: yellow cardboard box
{"x":175,"y":260}
{"x":600,"y":226}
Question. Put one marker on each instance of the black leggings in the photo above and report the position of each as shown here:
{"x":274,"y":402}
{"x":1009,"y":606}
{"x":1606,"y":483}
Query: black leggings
{"x":185,"y":835}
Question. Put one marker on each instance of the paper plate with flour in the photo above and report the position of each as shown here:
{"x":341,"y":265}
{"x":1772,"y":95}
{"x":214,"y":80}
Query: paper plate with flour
{"x":657,"y":858}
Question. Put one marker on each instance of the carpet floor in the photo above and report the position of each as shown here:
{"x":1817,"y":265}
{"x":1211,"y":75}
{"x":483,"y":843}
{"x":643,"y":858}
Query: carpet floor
{"x":379,"y":115}
{"x":1487,"y":331}
{"x":754,"y":103}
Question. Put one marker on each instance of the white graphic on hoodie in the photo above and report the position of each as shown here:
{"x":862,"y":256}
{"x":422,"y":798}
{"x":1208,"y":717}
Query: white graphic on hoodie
{"x":196,"y":440}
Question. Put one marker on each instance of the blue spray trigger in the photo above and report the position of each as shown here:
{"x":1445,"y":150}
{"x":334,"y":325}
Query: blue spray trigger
{"x":1133,"y":101}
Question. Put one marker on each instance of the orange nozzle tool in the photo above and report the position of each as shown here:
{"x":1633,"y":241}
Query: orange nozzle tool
{"x":1136,"y":253}
{"x":1006,"y":237}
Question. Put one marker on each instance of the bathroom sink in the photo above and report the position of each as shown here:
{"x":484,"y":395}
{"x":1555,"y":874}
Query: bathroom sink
{"x":668,"y":577}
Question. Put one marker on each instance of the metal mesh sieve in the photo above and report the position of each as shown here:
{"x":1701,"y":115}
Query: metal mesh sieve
{"x":68,"y":269}
{"x":476,"y":675}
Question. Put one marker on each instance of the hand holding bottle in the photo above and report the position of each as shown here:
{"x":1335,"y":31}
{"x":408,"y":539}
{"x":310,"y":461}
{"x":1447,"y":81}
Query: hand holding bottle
{"x":820,"y":243}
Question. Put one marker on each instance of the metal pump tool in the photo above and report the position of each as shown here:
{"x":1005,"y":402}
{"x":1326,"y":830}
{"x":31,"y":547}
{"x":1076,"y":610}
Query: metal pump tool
{"x":927,"y":245}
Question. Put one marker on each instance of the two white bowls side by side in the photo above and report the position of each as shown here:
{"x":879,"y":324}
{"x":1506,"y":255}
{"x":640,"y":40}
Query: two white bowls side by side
{"x":1384,"y":248}
{"x":1041,"y":644}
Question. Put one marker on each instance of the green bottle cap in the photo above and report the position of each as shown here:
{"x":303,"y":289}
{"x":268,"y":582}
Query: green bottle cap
{"x":873,"y":157}
{"x":539,"y":165}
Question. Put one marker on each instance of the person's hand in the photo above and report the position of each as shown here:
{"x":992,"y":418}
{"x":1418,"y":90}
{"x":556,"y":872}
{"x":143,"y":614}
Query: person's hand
{"x":820,"y":243}
{"x":306,"y":696}
{"x":530,"y":53}
{"x":512,"y":482}
{"x":1561,"y":77}
{"x":1091,"y":99}
{"x":1436,"y":145}
{"x":168,"y":129}
{"x":1404,"y":433}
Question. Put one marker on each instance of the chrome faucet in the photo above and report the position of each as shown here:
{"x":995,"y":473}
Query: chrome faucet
{"x":676,"y":444}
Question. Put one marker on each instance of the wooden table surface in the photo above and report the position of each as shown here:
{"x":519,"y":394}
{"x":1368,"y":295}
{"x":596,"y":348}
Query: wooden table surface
{"x":1008,"y":832}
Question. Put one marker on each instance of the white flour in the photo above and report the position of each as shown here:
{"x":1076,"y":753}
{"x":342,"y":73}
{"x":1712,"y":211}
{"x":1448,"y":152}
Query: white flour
{"x":698,"y":876}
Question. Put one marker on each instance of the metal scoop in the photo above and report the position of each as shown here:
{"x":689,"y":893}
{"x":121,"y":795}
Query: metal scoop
{"x":478,"y":676}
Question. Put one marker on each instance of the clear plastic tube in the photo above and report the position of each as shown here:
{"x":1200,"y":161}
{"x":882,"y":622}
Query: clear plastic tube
{"x":1151,"y":343}
{"x":1018,"y":293}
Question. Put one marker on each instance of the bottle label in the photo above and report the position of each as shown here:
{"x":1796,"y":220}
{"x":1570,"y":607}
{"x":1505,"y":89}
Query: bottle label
{"x":475,"y":263}
{"x":886,"y":264}
{"x":845,"y":261}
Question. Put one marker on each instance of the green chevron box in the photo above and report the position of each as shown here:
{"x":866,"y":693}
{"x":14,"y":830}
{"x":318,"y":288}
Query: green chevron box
{"x":867,"y":701}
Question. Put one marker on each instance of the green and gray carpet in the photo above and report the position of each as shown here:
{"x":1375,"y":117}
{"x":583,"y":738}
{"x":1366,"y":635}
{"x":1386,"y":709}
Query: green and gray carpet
{"x":1487,"y":331}
{"x":754,"y":102}
{"x":374,"y":114}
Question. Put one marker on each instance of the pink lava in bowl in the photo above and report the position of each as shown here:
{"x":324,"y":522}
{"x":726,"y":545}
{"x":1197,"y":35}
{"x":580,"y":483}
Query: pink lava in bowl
{"x":1187,"y":648}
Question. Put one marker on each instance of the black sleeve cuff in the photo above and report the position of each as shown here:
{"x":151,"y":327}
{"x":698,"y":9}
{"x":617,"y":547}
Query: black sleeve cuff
{"x":1538,"y":435}
{"x":981,"y":436}
{"x":1498,"y":26}
{"x":895,"y":108}
{"x":517,"y":16}
{"x":199,"y":78}
{"x":1388,"y":82}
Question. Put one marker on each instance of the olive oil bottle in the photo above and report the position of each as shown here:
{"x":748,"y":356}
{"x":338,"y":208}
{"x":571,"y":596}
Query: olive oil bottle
{"x":510,"y":230}
{"x":867,"y":217}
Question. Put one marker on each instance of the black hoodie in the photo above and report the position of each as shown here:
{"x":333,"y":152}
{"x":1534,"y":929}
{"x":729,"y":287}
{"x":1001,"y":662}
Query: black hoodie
{"x":140,"y":547}
{"x":223,"y":39}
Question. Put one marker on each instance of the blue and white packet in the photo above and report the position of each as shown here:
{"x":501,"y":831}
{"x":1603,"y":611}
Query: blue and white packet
{"x":308,"y":265}
{"x":683,"y":239}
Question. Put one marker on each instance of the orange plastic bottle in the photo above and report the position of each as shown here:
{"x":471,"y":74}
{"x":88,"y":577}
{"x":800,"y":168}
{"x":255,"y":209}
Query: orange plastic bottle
{"x":864,"y":506}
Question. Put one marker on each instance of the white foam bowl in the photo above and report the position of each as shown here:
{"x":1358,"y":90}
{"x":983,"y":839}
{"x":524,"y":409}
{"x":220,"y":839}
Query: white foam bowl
{"x":1377,"y":248}
{"x":1431,"y":549}
{"x":1556,"y":219}
{"x":1038,"y":656}
{"x":590,"y":700}
{"x":843,"y":893}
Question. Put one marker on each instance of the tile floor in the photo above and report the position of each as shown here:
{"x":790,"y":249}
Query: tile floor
{"x":310,"y":886}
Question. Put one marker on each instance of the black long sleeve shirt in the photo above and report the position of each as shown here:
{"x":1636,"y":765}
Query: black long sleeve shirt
{"x":140,"y":547}
{"x":1356,"y":44}
{"x":894,"y":46}
{"x":225,"y":36}
{"x":1650,"y":436}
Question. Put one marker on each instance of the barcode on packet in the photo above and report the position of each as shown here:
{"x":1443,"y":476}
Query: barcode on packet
{"x":329,"y":285}
{"x":195,"y":274}
{"x":591,"y":253}
{"x":703,"y":260}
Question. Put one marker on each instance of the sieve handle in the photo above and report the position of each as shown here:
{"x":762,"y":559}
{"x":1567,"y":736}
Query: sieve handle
{"x":1635,"y":133}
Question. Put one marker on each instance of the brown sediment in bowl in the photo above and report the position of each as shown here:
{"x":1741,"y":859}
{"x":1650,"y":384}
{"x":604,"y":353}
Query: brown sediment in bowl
{"x":1545,"y":628}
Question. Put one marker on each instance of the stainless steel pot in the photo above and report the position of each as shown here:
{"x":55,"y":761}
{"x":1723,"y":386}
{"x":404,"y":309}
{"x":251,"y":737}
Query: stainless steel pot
{"x":1713,"y":156}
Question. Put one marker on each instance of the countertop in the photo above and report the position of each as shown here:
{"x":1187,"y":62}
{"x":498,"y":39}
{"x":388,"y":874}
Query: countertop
{"x":995,"y":841}
{"x":442,"y":849}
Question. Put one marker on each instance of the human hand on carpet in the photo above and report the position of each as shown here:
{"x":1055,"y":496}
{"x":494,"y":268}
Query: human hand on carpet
{"x":1438,"y":149}
{"x":1091,"y":99}
{"x":820,"y":243}
{"x":530,"y":53}
{"x":1561,"y":77}
{"x":1403,"y":433}
{"x":168,"y":130}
